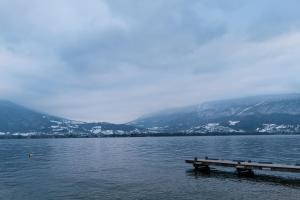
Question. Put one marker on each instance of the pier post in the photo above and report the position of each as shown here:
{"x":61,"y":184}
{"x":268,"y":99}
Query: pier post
{"x":195,"y":164}
{"x":201,"y":167}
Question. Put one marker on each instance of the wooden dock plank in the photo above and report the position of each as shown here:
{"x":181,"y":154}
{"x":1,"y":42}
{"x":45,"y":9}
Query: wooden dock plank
{"x":245,"y":165}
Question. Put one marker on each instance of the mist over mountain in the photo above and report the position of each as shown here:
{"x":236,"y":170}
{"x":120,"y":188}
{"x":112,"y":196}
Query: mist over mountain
{"x":16,"y":120}
{"x":274,"y":114}
{"x":269,"y":113}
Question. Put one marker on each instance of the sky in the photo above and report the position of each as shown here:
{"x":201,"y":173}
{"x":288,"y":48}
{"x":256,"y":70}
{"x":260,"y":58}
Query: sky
{"x":115,"y":60}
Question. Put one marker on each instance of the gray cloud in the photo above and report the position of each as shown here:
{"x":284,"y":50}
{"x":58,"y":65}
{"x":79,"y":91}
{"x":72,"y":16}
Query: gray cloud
{"x":116,"y":60}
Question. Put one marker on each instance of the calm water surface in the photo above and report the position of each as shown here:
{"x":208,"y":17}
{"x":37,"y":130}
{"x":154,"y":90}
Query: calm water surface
{"x":143,"y":168}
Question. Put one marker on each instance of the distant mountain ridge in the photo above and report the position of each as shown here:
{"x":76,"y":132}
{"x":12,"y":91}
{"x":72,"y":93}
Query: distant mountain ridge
{"x":269,"y":114}
{"x":16,"y":120}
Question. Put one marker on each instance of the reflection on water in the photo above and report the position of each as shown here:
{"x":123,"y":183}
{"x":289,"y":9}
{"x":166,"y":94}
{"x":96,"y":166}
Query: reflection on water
{"x":143,"y":168}
{"x":265,"y":178}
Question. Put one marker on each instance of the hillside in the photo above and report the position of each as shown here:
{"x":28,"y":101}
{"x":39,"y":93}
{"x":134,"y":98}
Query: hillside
{"x":260,"y":114}
{"x":16,"y":120}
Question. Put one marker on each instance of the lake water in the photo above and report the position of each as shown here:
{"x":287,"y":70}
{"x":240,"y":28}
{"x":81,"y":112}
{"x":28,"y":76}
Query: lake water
{"x":143,"y":168}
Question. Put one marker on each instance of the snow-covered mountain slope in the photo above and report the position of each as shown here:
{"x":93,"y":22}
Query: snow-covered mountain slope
{"x":260,"y":114}
{"x":16,"y":120}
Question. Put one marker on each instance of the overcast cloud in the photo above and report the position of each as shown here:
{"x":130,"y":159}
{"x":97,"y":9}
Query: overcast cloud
{"x":114,"y":60}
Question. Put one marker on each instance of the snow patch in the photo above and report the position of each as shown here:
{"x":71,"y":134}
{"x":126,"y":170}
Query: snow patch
{"x":57,"y":122}
{"x":96,"y":129}
{"x":275,"y":128}
{"x":233,"y":123}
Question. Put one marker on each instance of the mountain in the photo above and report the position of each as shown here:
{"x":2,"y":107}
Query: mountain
{"x":259,"y":114}
{"x":275,"y":114}
{"x":16,"y":120}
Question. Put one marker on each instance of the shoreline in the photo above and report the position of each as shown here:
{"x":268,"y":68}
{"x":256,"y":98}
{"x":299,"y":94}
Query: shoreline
{"x":3,"y":137}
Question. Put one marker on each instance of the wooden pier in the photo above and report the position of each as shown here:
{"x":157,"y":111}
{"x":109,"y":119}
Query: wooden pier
{"x":242,"y":167}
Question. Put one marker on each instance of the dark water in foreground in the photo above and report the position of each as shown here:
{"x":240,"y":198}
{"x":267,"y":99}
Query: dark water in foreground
{"x":143,"y":168}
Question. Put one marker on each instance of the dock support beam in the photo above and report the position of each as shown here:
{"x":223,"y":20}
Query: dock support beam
{"x":201,"y":167}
